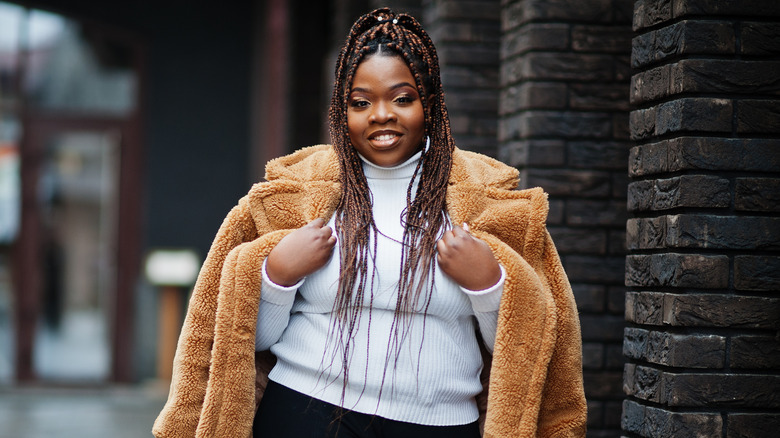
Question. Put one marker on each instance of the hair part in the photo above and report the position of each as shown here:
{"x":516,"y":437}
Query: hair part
{"x":385,"y":33}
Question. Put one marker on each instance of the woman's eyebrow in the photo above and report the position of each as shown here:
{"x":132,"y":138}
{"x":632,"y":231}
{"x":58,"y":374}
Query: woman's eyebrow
{"x":401,"y":85}
{"x":394,"y":87}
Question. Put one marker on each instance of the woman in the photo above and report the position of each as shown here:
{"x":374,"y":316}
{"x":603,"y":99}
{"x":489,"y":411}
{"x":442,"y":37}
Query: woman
{"x":349,"y":274}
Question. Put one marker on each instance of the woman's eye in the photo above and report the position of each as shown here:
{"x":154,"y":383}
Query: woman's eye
{"x":404,"y":99}
{"x":358,"y":103}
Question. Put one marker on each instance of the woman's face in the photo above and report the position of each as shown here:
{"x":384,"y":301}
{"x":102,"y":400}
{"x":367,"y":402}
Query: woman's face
{"x":385,"y":117}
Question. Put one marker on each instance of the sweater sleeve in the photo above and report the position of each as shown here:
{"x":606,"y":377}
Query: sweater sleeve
{"x":274,"y":311}
{"x":486,"y":303}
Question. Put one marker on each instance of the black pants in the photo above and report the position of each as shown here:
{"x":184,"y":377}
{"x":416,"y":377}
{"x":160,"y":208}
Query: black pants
{"x":284,"y":413}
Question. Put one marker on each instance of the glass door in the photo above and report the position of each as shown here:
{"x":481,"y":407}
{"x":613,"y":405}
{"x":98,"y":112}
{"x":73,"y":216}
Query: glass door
{"x":79,"y":199}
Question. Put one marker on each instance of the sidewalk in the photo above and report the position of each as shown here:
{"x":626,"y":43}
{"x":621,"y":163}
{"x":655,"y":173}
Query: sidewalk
{"x":41,"y":412}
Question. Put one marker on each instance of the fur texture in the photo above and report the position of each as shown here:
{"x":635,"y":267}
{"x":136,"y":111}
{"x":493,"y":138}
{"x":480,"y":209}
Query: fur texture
{"x":533,"y":382}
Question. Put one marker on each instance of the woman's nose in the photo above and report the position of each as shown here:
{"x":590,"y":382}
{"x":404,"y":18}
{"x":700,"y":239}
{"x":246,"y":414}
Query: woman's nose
{"x":382,"y":113}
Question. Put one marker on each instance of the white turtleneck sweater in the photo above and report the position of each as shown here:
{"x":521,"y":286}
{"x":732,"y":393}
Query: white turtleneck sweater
{"x":436,"y":377}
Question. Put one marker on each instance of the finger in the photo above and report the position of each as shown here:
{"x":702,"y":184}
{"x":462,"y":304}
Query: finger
{"x":443,"y":262}
{"x":459,"y":232}
{"x":447,"y":235}
{"x":466,"y":227}
{"x":441,"y":246}
{"x":327,"y":235}
{"x":318,"y":222}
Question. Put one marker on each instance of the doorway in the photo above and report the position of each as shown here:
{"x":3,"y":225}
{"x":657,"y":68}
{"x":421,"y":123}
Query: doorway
{"x":78,"y":211}
{"x":76,"y":255}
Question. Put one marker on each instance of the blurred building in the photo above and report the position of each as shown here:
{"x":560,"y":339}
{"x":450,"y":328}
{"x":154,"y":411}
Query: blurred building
{"x":122,"y":129}
{"x":131,"y":127}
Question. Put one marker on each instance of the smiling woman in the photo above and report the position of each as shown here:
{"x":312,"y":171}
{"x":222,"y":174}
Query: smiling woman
{"x":372,"y":310}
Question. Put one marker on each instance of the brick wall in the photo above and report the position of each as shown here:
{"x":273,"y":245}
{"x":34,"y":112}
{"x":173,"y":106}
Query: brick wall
{"x":564,"y":123}
{"x":467,"y":37}
{"x":703,"y":268}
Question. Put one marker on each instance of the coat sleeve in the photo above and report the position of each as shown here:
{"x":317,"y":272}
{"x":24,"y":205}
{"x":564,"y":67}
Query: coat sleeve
{"x":180,"y":415}
{"x":536,"y":387}
{"x":563,"y":411}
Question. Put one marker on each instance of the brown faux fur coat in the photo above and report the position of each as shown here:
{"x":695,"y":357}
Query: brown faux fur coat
{"x":535,"y":374}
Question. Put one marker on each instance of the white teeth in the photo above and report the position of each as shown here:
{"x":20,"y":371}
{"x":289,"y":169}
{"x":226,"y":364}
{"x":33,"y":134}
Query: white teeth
{"x":384,"y":137}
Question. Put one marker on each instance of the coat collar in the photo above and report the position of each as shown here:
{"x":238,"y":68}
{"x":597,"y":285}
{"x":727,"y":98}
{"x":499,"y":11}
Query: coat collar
{"x":314,"y":173}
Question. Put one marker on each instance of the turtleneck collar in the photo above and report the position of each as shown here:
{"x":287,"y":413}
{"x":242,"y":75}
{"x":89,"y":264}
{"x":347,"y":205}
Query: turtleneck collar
{"x":404,"y":170}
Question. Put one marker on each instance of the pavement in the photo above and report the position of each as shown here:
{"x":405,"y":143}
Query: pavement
{"x":98,"y":412}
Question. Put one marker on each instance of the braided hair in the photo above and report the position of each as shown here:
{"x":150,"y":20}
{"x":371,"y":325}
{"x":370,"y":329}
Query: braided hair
{"x":386,"y":33}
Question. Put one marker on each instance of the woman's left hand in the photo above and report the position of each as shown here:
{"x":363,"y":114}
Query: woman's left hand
{"x":467,"y":260}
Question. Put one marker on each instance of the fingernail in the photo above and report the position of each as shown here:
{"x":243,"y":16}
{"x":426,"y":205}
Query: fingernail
{"x":466,"y":226}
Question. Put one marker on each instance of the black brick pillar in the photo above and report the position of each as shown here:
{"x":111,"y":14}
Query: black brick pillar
{"x":564,"y":123}
{"x":467,"y":36}
{"x":703,"y":268}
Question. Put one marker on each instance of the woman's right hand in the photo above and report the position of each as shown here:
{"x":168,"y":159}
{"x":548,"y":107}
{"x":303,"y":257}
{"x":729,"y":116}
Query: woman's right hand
{"x":300,"y":253}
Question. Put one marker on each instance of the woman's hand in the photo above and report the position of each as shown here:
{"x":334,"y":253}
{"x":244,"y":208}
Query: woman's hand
{"x":301,"y":253}
{"x":467,"y":260}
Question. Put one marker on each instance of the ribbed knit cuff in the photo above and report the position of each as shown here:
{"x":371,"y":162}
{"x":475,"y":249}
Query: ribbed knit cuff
{"x":277,"y":294}
{"x":487,"y":300}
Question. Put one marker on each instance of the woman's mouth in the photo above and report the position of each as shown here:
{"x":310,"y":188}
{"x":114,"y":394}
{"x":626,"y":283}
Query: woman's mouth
{"x":384,"y":140}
